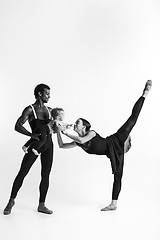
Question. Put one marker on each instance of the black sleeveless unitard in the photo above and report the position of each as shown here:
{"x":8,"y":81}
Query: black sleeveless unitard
{"x":110,"y":146}
{"x":113,"y":146}
{"x":29,"y":158}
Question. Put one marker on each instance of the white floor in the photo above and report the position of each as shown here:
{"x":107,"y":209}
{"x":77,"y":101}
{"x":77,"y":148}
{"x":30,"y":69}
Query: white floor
{"x":81,"y":221}
{"x":78,"y":190}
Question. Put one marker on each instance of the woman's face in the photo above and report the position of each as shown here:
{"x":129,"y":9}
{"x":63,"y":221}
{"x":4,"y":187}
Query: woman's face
{"x":78,"y":126}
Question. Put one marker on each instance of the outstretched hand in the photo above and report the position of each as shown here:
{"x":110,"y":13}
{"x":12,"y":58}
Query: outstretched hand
{"x":61,"y":128}
{"x":64,"y":126}
{"x":67,"y":125}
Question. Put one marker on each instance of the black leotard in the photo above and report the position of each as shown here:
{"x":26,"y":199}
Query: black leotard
{"x":113,"y":146}
{"x":97,"y":145}
{"x":110,"y":146}
{"x":29,"y":158}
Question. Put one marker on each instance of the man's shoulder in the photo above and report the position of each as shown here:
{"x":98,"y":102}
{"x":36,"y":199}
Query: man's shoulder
{"x":28,"y":109}
{"x":49,"y":108}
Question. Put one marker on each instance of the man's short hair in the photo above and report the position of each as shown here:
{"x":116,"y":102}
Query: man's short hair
{"x":40,"y":88}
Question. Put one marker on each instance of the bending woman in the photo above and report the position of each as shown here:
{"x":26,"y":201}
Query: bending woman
{"x":113,"y":146}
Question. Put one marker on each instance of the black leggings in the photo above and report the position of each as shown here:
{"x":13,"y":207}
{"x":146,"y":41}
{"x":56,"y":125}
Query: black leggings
{"x":27,"y":162}
{"x":122,"y":134}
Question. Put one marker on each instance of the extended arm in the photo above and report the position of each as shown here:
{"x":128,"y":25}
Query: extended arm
{"x":80,"y":139}
{"x":64,"y":145}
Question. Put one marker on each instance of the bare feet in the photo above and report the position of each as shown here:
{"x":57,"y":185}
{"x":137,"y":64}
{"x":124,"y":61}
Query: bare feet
{"x":35,"y":151}
{"x":24,"y":148}
{"x":111,"y":207}
{"x":147,"y":88}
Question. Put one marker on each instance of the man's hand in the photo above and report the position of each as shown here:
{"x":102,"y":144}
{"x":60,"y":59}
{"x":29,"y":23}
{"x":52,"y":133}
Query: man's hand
{"x":35,"y":136}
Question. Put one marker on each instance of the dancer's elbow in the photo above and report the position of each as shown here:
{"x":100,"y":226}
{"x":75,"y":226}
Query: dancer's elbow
{"x":61,"y":145}
{"x":17,"y":128}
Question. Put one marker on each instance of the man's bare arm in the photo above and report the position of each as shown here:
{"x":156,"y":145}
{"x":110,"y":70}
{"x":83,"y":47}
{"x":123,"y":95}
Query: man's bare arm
{"x":20,"y":122}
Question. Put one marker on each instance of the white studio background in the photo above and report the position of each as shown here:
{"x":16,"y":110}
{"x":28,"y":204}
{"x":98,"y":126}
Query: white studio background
{"x":96,"y":56}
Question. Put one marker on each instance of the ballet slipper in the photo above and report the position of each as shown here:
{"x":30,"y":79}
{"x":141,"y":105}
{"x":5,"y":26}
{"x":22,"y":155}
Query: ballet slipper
{"x":148,"y":85}
{"x":109,"y":208}
{"x":9,"y":206}
{"x":42,"y":209}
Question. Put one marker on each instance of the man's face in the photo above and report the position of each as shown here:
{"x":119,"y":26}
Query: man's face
{"x":45,"y":95}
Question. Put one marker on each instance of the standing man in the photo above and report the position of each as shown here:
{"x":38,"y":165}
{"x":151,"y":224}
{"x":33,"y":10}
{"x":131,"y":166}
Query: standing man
{"x":37,"y":115}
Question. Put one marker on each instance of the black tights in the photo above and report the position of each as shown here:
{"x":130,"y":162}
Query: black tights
{"x":27,"y":162}
{"x":122,"y":134}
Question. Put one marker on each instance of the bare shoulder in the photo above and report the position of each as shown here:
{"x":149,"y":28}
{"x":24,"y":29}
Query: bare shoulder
{"x":27,"y":113}
{"x":92,"y":133}
{"x":27,"y":110}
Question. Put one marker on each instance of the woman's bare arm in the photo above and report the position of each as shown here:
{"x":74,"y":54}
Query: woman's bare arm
{"x":79,"y":139}
{"x":64,"y":145}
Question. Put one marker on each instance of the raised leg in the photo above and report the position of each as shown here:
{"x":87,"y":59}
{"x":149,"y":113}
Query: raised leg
{"x":123,"y":134}
{"x":125,"y":130}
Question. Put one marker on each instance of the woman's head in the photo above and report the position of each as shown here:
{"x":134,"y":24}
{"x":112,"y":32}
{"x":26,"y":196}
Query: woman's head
{"x":82,"y":125}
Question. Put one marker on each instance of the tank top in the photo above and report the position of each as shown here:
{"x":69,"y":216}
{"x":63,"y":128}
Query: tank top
{"x":97,"y":145}
{"x":110,"y":146}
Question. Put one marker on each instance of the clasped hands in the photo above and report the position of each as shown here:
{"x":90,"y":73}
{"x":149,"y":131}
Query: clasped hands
{"x":62,"y":128}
